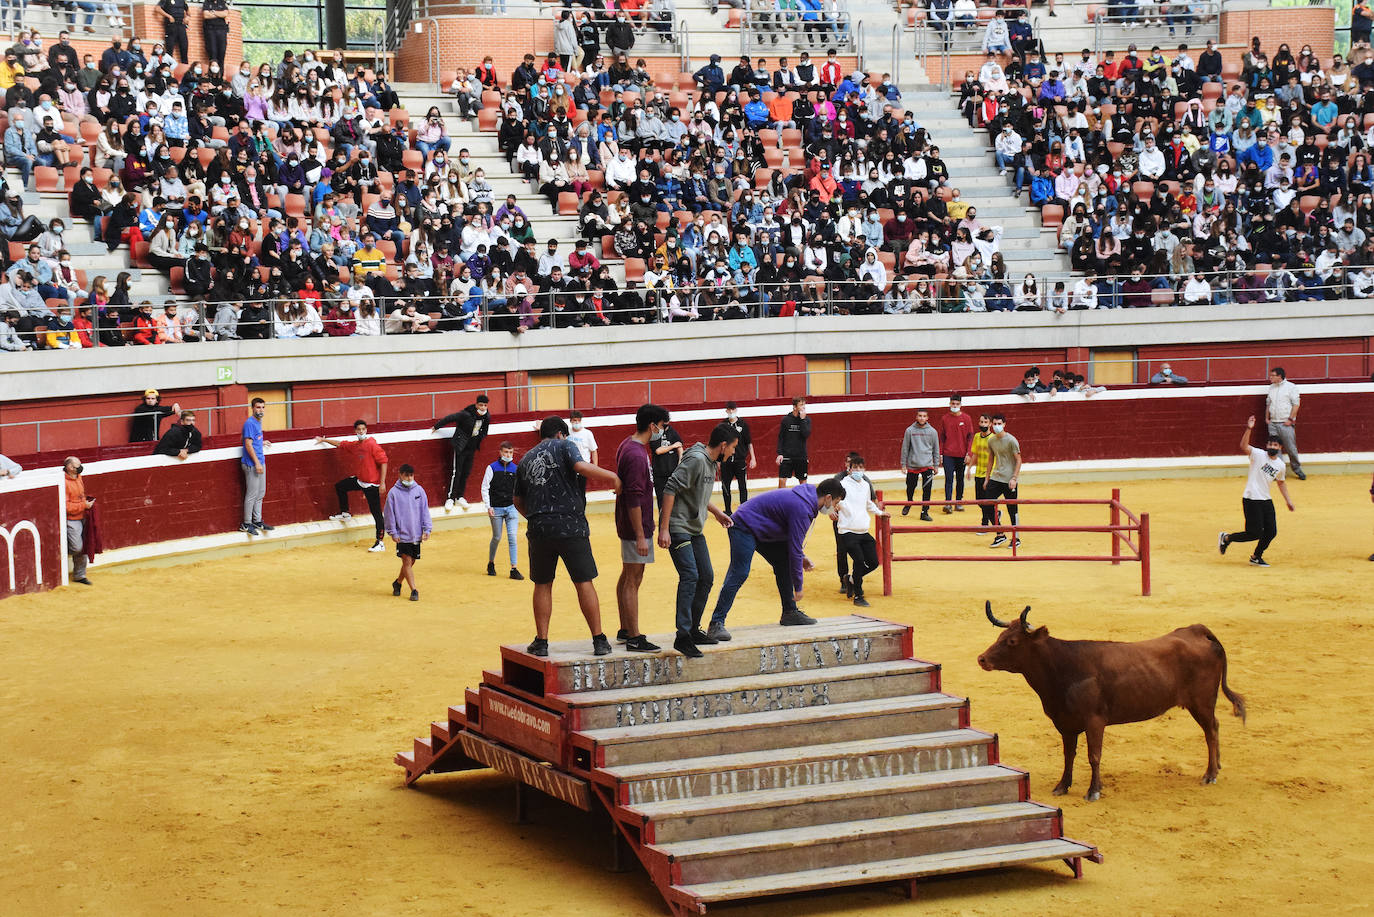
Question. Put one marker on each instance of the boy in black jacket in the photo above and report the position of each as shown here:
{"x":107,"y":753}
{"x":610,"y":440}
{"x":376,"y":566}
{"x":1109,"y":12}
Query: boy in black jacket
{"x":470,"y":426}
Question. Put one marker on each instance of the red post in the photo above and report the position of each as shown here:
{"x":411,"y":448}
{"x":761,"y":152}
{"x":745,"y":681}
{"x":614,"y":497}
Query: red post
{"x":1144,"y":553}
{"x":885,"y":550}
{"x":1115,"y":521}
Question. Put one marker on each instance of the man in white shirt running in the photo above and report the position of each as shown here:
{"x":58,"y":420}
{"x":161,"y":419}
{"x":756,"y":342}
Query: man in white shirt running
{"x":1261,"y":525}
{"x":1281,"y":405}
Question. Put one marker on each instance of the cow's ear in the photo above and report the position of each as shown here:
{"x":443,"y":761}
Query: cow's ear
{"x":1040,"y":633}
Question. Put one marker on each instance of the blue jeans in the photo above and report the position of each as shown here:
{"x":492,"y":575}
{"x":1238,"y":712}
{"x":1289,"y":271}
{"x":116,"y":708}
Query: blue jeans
{"x":694,"y":578}
{"x":425,"y":147}
{"x":503,"y":516}
{"x":1003,"y":160}
{"x":25,"y":166}
{"x":743,"y":545}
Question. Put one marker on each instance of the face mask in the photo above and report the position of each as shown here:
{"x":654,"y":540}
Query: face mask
{"x":577,"y":426}
{"x":856,"y":475}
{"x":955,"y":409}
{"x":361,"y":436}
{"x":1273,"y":453}
{"x":997,"y":427}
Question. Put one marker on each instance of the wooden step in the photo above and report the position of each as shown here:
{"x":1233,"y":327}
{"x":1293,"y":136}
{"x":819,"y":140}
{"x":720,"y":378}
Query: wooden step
{"x":862,"y":841}
{"x":725,"y":697}
{"x":895,"y":870}
{"x":831,"y":642}
{"x":868,"y":719}
{"x":794,"y":807}
{"x":815,"y":765}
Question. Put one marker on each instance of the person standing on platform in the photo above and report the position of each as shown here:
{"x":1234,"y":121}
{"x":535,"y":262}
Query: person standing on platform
{"x":366,"y":459}
{"x":1261,"y":523}
{"x":215,"y":30}
{"x":470,"y":426}
{"x":148,"y":416}
{"x":666,"y":449}
{"x":1281,"y":405}
{"x":736,"y":468}
{"x":774,"y":525}
{"x":681,"y":523}
{"x":78,"y":505}
{"x":254,"y":462}
{"x":793,"y":434}
{"x":920,"y":458}
{"x":852,"y":521}
{"x":1005,"y":473}
{"x":956,"y":436}
{"x":551,"y":497}
{"x":408,"y":523}
{"x":584,"y":439}
{"x":498,"y":494}
{"x":634,"y":522}
{"x":978,"y":462}
{"x":173,"y":16}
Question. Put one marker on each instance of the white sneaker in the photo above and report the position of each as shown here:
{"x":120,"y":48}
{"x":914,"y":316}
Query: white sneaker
{"x":1003,"y":172}
{"x":340,"y":517}
{"x":376,"y":548}
{"x":462,"y":501}
{"x":448,"y":506}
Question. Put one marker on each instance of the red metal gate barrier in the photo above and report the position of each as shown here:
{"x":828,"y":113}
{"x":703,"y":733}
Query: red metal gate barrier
{"x":1137,"y":550}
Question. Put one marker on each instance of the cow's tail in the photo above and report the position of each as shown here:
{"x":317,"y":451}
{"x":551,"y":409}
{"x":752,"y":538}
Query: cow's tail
{"x":1237,"y":700}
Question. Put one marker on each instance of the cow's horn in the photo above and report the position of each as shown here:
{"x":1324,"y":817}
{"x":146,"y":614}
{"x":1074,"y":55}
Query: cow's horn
{"x":1024,"y":615}
{"x":992,"y":617}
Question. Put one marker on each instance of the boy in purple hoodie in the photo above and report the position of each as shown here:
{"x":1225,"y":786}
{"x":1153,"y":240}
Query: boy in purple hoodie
{"x":774,"y":525}
{"x":407,"y":521}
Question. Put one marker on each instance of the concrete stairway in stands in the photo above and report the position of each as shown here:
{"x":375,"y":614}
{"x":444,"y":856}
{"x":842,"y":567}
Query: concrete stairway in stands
{"x":787,"y":760}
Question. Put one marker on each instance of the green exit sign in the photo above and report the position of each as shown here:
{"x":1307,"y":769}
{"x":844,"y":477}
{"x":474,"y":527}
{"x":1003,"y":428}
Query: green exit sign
{"x":224,"y":375}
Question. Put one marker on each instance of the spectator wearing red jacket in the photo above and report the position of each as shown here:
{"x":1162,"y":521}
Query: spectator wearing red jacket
{"x":956,"y":431}
{"x":367,"y":462}
{"x":141,"y":329}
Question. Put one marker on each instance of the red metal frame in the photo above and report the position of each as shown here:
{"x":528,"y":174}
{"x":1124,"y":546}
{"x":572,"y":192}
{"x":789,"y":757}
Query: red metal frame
{"x":1137,"y":550}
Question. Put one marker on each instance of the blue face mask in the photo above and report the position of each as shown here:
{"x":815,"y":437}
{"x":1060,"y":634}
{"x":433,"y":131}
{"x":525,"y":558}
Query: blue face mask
{"x":857,"y":475}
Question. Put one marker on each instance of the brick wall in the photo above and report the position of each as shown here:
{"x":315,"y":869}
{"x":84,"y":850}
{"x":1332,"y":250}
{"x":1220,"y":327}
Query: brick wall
{"x":463,"y":42}
{"x":1296,"y":26}
{"x":148,"y":27}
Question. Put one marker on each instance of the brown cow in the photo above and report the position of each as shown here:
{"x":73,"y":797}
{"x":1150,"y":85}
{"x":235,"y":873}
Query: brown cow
{"x":1088,"y":685}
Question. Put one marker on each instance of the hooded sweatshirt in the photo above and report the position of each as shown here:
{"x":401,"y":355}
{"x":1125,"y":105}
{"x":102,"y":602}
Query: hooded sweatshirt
{"x":407,"y":512}
{"x":469,"y":429}
{"x":691,"y":484}
{"x":920,"y":447}
{"x":781,"y":516}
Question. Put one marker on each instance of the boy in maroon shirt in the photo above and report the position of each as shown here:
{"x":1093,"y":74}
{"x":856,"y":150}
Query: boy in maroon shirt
{"x":956,"y":431}
{"x":367,"y":462}
{"x":634,"y":522}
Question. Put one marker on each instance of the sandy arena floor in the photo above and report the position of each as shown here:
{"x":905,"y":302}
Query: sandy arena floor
{"x":216,"y":738}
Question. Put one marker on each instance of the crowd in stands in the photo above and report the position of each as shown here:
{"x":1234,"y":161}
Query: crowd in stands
{"x":1176,"y":180}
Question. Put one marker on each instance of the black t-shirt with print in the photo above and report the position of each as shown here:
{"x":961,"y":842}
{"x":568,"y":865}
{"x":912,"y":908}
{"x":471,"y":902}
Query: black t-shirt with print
{"x":553,"y":493}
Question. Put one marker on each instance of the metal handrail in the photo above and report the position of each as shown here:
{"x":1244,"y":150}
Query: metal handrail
{"x":519,"y":397}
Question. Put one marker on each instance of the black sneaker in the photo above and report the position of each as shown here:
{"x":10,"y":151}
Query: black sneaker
{"x":684,"y":645}
{"x":248,"y":528}
{"x":860,"y":601}
{"x":396,"y":587}
{"x":847,"y":586}
{"x":1259,"y":561}
{"x":600,"y":645}
{"x":264,"y":527}
{"x":906,"y":510}
{"x":1223,"y":542}
{"x":415,"y":595}
{"x":925,"y":516}
{"x":491,"y":569}
{"x":701,"y":638}
{"x":516,"y":574}
{"x":998,"y":541}
{"x":641,"y":644}
{"x":538,"y":647}
{"x":1300,"y":474}
{"x":795,"y":617}
{"x":83,"y":581}
{"x":621,"y":635}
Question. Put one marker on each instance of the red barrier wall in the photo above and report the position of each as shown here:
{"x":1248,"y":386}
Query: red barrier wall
{"x":166,"y":502}
{"x":32,"y":539}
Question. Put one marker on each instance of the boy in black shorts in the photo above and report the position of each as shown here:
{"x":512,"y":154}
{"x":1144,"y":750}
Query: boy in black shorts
{"x":407,"y":521}
{"x":550,"y":494}
{"x":793,"y":433}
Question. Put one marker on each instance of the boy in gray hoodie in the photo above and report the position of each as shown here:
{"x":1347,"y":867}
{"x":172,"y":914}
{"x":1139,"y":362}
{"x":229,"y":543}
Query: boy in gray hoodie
{"x":920,"y":458}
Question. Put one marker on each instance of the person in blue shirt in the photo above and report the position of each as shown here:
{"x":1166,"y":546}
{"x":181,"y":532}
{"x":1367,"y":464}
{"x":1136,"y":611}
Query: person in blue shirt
{"x":1261,"y":155}
{"x":254,"y":462}
{"x":1324,"y":112}
{"x":711,"y":78}
{"x":741,"y":253}
{"x":20,"y":151}
{"x":755,"y":111}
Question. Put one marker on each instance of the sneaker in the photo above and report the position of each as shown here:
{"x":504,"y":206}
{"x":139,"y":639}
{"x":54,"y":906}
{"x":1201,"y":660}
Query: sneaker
{"x":621,"y":636}
{"x":719,"y":634}
{"x":396,"y":587}
{"x":1300,"y":474}
{"x":795,"y":617}
{"x":684,"y":645}
{"x":516,"y":574}
{"x":1259,"y":561}
{"x":248,"y":528}
{"x":701,"y":638}
{"x":925,"y":516}
{"x":377,"y":547}
{"x":448,"y":506}
{"x":1003,"y":172}
{"x":600,"y":645}
{"x":958,"y":508}
{"x":860,"y":601}
{"x":463,"y":502}
{"x":998,"y":541}
{"x":641,"y":644}
{"x":906,"y":510}
{"x":538,"y":647}
{"x":83,"y":581}
{"x":340,"y":517}
{"x":264,"y":527}
{"x":1223,"y":542}
{"x":1015,"y":543}
{"x":491,"y":569}
{"x":947,"y":510}
{"x":847,"y":586}
{"x":415,"y":595}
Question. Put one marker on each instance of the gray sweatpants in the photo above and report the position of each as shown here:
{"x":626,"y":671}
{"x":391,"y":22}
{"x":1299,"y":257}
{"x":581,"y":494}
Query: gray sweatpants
{"x":1288,"y":438}
{"x":254,"y":488}
{"x":76,"y":530}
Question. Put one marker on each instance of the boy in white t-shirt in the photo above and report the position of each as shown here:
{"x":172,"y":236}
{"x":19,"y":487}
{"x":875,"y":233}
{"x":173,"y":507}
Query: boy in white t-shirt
{"x":585,"y":440}
{"x":1261,"y":525}
{"x":851,"y":520}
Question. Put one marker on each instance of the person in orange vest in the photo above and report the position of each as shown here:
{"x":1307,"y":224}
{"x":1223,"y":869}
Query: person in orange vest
{"x":77,"y":505}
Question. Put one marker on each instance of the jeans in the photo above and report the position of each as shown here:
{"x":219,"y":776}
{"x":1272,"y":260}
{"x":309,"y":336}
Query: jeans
{"x":1288,"y":439}
{"x":743,"y":544}
{"x":254,"y":489}
{"x":25,"y":166}
{"x":76,"y":531}
{"x":426,"y":148}
{"x":954,"y":477}
{"x":1023,"y":179}
{"x":1003,"y":160}
{"x":694,"y":578}
{"x":508,"y":517}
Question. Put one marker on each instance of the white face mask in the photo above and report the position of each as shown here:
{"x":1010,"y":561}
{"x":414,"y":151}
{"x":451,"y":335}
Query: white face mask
{"x":997,"y":427}
{"x":955,"y":409}
{"x":576,"y":425}
{"x":730,"y":415}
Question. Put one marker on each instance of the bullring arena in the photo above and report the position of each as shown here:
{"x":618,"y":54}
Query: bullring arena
{"x":233,"y":230}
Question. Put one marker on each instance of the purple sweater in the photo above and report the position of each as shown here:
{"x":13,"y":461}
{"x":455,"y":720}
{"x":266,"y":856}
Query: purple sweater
{"x":781,"y":515}
{"x":407,"y":513}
